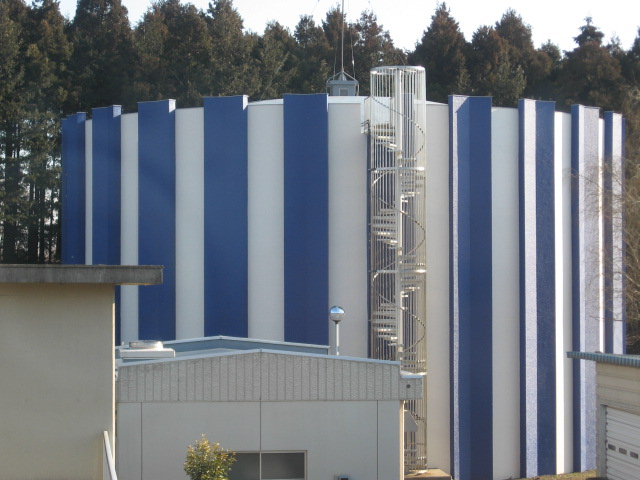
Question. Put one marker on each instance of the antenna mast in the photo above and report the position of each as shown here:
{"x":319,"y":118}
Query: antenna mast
{"x":342,"y":46}
{"x":342,"y":84}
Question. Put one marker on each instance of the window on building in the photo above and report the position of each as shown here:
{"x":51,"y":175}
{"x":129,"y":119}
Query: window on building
{"x":268,"y":466}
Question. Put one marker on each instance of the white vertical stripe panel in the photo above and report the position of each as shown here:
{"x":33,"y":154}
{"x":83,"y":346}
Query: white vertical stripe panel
{"x":266,"y":221}
{"x":437,"y":198}
{"x":564,"y":387}
{"x":600,"y":191}
{"x":88,"y":149}
{"x":348,"y":225}
{"x":617,"y":171}
{"x":506,"y":301}
{"x":189,"y":223}
{"x":529,"y":320}
{"x":129,"y":223}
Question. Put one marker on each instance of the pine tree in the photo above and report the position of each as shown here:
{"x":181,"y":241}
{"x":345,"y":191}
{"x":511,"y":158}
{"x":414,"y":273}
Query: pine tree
{"x":442,"y":51}
{"x":589,"y":34}
{"x":277,"y":64}
{"x":175,"y":53}
{"x":373,"y":47}
{"x":535,"y":64}
{"x":547,"y":87}
{"x":312,"y":53}
{"x":631,"y":63}
{"x":12,"y":103}
{"x":590,"y":74}
{"x":491,"y":69}
{"x":232,"y":63}
{"x":11,"y":69}
{"x":103,"y":56}
{"x":48,"y":53}
{"x":332,"y":26}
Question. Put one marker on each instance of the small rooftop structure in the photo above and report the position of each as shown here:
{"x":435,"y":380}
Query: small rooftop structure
{"x":342,"y":85}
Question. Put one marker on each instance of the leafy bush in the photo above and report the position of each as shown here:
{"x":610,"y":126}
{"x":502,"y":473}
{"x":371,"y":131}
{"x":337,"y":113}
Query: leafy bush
{"x":208,"y":462}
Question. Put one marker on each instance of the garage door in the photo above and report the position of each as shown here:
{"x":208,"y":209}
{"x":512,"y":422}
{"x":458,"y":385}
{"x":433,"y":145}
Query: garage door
{"x":622,"y":445}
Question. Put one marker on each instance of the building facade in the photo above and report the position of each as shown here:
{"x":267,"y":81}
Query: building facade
{"x":258,"y":212}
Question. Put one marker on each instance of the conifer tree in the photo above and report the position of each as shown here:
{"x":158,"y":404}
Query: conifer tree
{"x":491,"y":70}
{"x":103,"y":56}
{"x":175,"y":52}
{"x":12,"y":103}
{"x":590,"y":74}
{"x":48,"y":54}
{"x":536,"y":65}
{"x":442,"y":51}
{"x":233,"y":67}
{"x":32,"y":78}
{"x":373,"y":47}
{"x":313,"y":53}
{"x":332,"y":26}
{"x":631,"y":63}
{"x":548,"y":87}
{"x":277,"y":62}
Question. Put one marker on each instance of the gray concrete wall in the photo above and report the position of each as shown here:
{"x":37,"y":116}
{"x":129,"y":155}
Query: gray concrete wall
{"x":345,"y":413}
{"x":355,"y":438}
{"x":56,"y":379}
{"x":57,"y":393}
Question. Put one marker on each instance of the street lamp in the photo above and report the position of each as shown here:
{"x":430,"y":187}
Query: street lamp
{"x":336,"y":314}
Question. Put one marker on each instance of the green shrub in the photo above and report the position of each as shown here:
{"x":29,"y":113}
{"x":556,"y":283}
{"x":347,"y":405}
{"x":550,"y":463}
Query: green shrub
{"x":208,"y":462}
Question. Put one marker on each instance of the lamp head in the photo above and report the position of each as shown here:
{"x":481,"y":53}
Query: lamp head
{"x":336,"y":314}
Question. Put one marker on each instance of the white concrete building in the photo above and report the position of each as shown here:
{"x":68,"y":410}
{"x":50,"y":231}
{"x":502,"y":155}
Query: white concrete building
{"x":287,"y":414}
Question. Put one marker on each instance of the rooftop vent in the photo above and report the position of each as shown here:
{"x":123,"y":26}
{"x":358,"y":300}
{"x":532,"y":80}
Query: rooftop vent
{"x":146,"y":350}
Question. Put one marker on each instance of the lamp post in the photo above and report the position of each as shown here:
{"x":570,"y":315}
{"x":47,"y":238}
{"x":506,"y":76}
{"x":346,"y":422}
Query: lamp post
{"x":336,"y":314}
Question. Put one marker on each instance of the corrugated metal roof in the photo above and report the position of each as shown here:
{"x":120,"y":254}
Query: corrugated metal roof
{"x":264,"y":375}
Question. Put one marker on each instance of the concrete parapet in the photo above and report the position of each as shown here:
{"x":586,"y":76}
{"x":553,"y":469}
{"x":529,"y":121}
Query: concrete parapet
{"x":88,"y":274}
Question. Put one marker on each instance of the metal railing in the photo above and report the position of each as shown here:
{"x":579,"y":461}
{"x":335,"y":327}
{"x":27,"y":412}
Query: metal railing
{"x":108,"y":465}
{"x":397,"y":236}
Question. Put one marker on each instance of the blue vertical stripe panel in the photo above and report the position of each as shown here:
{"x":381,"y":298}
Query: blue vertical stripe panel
{"x":537,"y":288}
{"x":106,"y":185}
{"x":607,"y":231}
{"x":73,"y":189}
{"x":225,"y":229}
{"x":584,"y":275}
{"x":306,"y":218}
{"x":157,"y":216}
{"x":623,"y":268}
{"x":471,"y":288}
{"x":613,"y":244}
{"x":105,"y":148}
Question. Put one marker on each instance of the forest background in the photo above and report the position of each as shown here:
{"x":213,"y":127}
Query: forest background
{"x":52,"y":66}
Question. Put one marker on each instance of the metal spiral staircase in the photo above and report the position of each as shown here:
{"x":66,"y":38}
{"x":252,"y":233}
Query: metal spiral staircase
{"x":397,"y":216}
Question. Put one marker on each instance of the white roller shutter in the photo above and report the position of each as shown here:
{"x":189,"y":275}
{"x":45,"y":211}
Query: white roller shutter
{"x":622,"y":445}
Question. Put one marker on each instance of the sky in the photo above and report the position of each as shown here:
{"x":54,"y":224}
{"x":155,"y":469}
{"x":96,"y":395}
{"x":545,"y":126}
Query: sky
{"x":406,"y":20}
